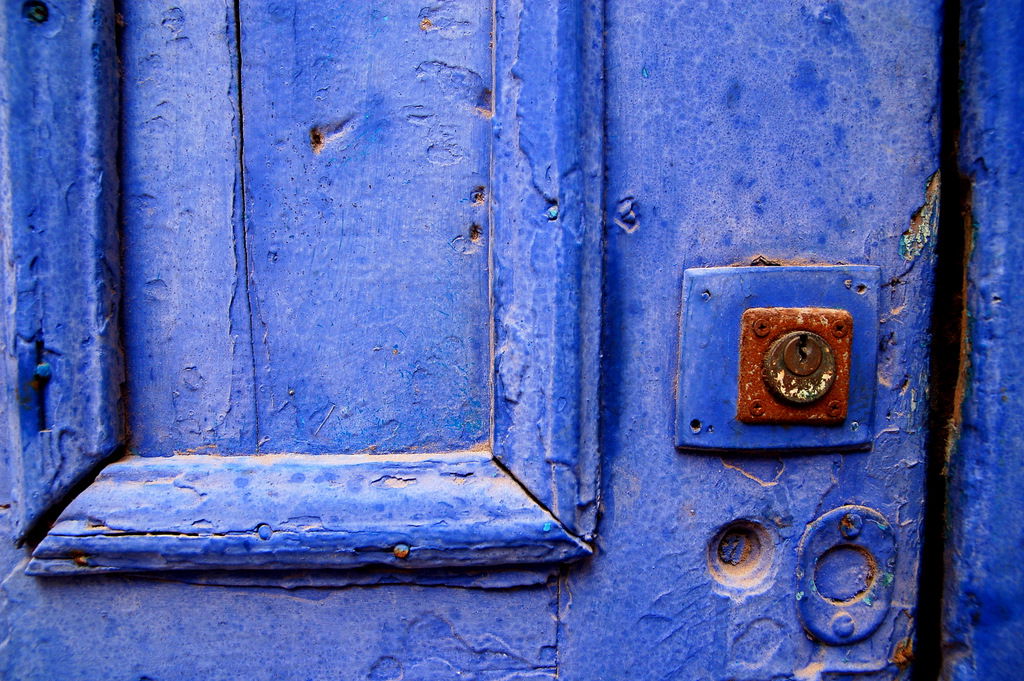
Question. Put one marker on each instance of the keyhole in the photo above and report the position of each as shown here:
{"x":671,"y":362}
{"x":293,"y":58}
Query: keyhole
{"x":802,"y":355}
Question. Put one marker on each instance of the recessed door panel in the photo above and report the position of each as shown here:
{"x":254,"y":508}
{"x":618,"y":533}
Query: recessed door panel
{"x":365,"y":151}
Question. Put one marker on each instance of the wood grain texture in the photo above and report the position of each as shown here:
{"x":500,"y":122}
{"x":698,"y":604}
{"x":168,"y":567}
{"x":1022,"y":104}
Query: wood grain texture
{"x":60,"y":248}
{"x":984,"y":605}
{"x":366,"y":162}
{"x":186,"y":320}
{"x":804,"y":133}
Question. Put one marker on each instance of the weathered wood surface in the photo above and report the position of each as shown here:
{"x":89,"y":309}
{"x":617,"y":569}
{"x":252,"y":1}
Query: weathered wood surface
{"x":302,"y":511}
{"x":546,"y":423}
{"x":58,"y":194}
{"x":366,"y":161}
{"x":804,"y":133}
{"x":984,"y":606}
{"x":547,"y":251}
{"x":116,"y":627}
{"x":230,"y":624}
{"x":186,"y":322}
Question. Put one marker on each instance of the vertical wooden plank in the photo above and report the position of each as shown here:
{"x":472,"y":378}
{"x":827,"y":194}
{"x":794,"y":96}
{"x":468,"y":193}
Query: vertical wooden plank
{"x":547,"y":251}
{"x":802,"y":133}
{"x":984,"y":605}
{"x":366,"y":161}
{"x":60,"y":250}
{"x":187,"y":333}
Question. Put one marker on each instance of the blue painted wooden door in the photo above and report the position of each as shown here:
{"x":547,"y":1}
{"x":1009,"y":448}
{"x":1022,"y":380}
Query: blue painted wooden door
{"x":401,"y":291}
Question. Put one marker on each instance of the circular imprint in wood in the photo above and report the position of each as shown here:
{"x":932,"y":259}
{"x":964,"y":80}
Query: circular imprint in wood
{"x":844,"y":573}
{"x":740,"y":554}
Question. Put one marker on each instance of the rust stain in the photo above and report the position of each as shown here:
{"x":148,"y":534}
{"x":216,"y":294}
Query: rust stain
{"x":903,"y":655}
{"x":316,"y":140}
{"x":322,"y":135}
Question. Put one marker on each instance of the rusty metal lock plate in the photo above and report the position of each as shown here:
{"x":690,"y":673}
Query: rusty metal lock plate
{"x":722,"y":362}
{"x":794,"y":365}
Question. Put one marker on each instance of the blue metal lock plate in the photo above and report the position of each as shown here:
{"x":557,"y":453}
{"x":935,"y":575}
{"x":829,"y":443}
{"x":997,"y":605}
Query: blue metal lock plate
{"x":845,"y":574}
{"x":713,"y":303}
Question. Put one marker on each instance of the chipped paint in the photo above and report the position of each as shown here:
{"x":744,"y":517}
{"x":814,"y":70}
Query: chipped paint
{"x":924,"y":223}
{"x":776,"y":474}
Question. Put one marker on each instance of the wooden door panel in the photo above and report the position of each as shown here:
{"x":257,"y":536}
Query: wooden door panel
{"x":366,"y":293}
{"x":794,"y":133}
{"x":407,"y":272}
{"x":366,"y":152}
{"x":186,"y":327}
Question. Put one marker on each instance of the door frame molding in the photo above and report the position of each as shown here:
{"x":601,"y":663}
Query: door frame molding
{"x":531,"y":496}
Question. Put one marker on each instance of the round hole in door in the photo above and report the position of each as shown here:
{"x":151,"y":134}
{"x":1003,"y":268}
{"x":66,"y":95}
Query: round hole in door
{"x":740,"y":553}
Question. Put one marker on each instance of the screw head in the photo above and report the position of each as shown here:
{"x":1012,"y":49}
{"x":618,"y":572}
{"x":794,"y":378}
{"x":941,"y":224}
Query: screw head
{"x":757,"y":408}
{"x":850,"y":525}
{"x":36,"y":11}
{"x":839,"y":329}
{"x":761,"y":327}
{"x":401,"y":550}
{"x":834,"y":408}
{"x":843,"y":625}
